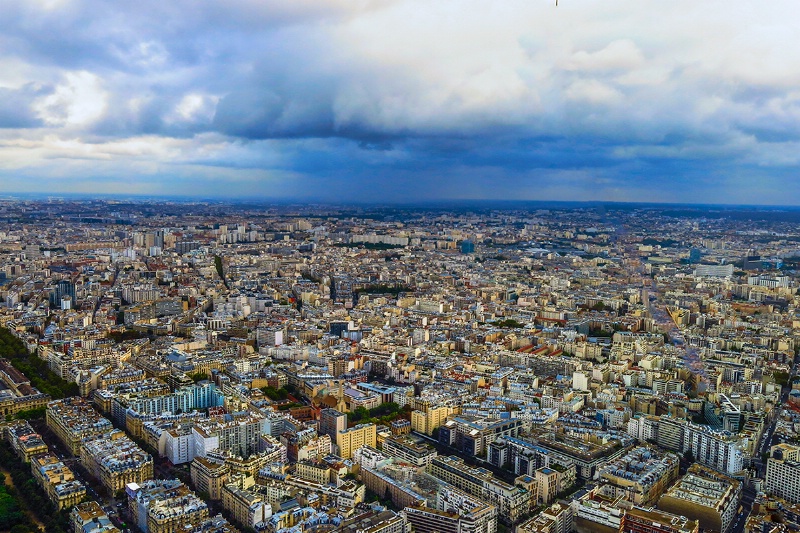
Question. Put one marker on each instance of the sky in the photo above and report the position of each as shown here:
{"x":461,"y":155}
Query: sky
{"x":403,"y":100}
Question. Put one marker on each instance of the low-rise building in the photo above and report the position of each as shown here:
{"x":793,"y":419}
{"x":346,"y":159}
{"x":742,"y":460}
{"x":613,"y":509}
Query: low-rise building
{"x":641,"y":475}
{"x":89,"y":517}
{"x":57,"y":480}
{"x":25,"y":441}
{"x":18,"y":394}
{"x":704,"y":495}
{"x":409,"y":450}
{"x":164,"y":506}
{"x":115,"y":461}
{"x":511,"y":502}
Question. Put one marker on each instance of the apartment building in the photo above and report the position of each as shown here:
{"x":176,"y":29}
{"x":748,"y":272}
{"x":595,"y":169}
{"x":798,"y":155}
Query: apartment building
{"x":209,"y":476}
{"x":783,"y":472}
{"x":511,"y":502}
{"x":115,"y":461}
{"x":57,"y":480}
{"x":164,"y":506}
{"x":349,"y":440}
{"x":74,"y":420}
{"x":239,"y":433}
{"x":409,"y":450}
{"x":89,"y":517}
{"x":25,"y":441}
{"x":704,"y":495}
{"x":641,"y":475}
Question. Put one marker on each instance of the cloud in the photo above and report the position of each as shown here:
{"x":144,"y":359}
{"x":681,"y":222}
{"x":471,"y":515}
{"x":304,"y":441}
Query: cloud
{"x":77,"y":101}
{"x":399,"y":98}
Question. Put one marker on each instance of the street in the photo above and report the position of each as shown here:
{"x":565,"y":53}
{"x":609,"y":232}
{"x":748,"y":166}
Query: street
{"x":749,"y":493}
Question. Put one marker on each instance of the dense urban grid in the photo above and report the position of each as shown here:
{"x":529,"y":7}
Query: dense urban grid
{"x":172,"y":367}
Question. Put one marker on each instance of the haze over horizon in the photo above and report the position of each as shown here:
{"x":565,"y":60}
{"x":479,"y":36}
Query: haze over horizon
{"x":402,"y":100}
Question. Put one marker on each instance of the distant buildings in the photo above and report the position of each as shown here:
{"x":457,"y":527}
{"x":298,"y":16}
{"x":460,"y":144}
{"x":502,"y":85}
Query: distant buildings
{"x":557,"y":345}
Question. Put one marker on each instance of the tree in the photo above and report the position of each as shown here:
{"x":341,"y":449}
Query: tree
{"x":358,"y":414}
{"x":198,"y":376}
{"x":275,"y":394}
{"x":220,"y":270}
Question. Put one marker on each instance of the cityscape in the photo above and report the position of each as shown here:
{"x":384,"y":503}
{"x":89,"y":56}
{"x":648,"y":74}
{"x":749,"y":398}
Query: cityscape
{"x":214,"y":367}
{"x":399,"y":266}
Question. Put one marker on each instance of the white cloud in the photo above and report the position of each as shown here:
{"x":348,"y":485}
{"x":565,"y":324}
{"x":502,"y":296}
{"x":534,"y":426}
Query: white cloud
{"x":622,"y":54}
{"x":78,"y":101}
{"x":194,"y":107}
{"x":593,"y":92}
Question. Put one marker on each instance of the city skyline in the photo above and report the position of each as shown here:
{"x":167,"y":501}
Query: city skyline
{"x":401,"y":101}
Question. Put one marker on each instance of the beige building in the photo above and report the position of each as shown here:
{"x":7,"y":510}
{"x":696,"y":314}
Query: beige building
{"x":116,"y":460}
{"x":353,"y":438}
{"x":58,"y":481}
{"x":89,"y":517}
{"x":316,"y":472}
{"x":165,"y":506}
{"x":247,"y":507}
{"x":73,"y":420}
{"x":208,"y":476}
{"x":641,"y":476}
{"x":432,"y":418}
{"x":19,"y":395}
{"x":558,"y":518}
{"x":25,"y":441}
{"x":511,"y":501}
{"x":382,"y":522}
{"x":704,"y":495}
